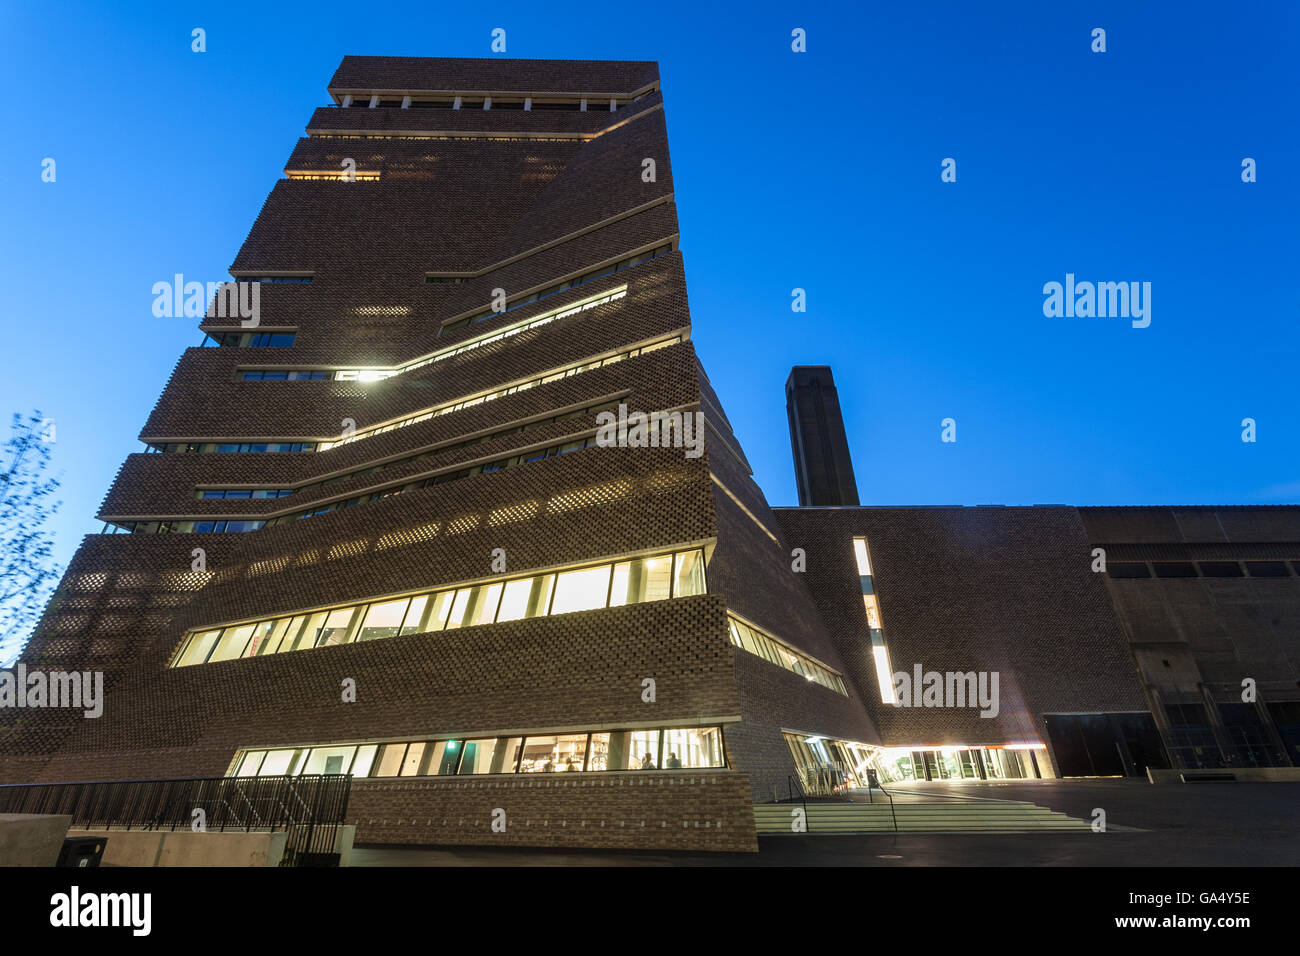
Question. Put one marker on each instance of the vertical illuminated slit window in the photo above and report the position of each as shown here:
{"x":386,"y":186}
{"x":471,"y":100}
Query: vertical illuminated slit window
{"x":879,"y":649}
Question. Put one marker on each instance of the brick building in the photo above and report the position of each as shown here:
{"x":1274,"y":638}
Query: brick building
{"x":380,"y":532}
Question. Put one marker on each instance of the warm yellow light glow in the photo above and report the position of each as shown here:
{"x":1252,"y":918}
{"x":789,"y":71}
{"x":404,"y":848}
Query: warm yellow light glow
{"x":860,"y":552}
{"x":873,"y":611}
{"x":581,"y":590}
{"x":514,"y":603}
{"x":884,"y":673}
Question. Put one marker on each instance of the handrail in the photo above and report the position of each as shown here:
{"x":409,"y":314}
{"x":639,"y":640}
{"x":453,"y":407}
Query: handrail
{"x":310,"y":807}
{"x":873,"y":780}
{"x":792,"y":782}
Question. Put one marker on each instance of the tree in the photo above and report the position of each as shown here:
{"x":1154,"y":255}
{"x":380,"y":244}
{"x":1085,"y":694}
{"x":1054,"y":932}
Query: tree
{"x":27,"y":571}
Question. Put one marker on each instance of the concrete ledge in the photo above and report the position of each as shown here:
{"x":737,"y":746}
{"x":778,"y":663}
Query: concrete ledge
{"x":186,"y":848}
{"x":217,"y":848}
{"x":32,"y":839}
{"x":1238,"y":774}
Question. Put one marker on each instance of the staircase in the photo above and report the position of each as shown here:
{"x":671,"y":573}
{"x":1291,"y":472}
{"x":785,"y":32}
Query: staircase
{"x":937,"y":816}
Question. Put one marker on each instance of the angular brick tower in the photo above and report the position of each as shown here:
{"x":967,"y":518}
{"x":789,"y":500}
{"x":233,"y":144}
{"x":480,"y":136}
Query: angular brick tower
{"x":396,"y":545}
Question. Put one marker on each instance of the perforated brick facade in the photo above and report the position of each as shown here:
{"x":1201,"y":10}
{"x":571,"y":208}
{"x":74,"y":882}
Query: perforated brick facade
{"x":451,"y":206}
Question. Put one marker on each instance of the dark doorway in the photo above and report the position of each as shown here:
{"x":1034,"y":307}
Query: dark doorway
{"x":1104,"y":745}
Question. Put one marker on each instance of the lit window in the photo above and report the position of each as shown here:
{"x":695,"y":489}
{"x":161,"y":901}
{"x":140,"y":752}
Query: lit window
{"x":232,"y":643}
{"x":690,"y":747}
{"x":879,"y":650}
{"x":581,"y":590}
{"x":689,"y":573}
{"x":196,"y":652}
{"x":329,"y":760}
{"x":860,"y":552}
{"x":383,"y":620}
{"x":555,"y":753}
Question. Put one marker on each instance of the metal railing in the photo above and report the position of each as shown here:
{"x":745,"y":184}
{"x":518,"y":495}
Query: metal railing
{"x":825,"y":780}
{"x":873,"y":780}
{"x":310,"y":808}
{"x":792,"y":784}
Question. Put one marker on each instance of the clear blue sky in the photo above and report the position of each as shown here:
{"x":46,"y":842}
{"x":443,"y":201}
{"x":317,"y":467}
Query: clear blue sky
{"x":816,"y":170}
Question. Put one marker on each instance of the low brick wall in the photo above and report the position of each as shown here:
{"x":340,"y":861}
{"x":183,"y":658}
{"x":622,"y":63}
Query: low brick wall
{"x":709,"y":810}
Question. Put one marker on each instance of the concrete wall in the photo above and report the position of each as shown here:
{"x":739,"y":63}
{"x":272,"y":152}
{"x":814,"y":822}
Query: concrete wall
{"x":31,"y":839}
{"x":184,"y":848}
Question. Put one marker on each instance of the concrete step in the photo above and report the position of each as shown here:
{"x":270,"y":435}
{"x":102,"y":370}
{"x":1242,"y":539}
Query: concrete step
{"x":975,"y":816}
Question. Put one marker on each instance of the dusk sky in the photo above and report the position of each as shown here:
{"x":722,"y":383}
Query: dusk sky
{"x":817,"y":170}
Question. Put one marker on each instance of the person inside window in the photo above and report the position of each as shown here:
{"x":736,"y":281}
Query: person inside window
{"x":647,"y":763}
{"x":673,"y":762}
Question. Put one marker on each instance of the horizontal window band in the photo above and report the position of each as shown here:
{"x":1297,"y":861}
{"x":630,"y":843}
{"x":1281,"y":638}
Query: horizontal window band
{"x":542,"y":593}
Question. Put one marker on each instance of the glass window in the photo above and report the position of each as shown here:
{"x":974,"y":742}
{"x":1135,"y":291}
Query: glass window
{"x":293,"y":636}
{"x":581,"y":590}
{"x":1130,"y":569}
{"x":458,"y":608}
{"x":279,"y":763}
{"x":383,"y":620}
{"x":390,"y":760}
{"x":329,"y":760}
{"x":692,"y":747}
{"x":514,"y":600}
{"x":598,"y":758}
{"x":365,"y":760}
{"x":493,"y":755}
{"x":643,"y":752}
{"x":411,"y":625}
{"x":444,"y":757}
{"x":311,"y":628}
{"x":438,"y":611}
{"x":860,"y":553}
{"x":873,"y":611}
{"x":334,"y":630}
{"x":196,"y":651}
{"x":265,"y":635}
{"x":554,"y":753}
{"x":483,"y":605}
{"x":249,"y":764}
{"x":689,"y":573}
{"x":232,"y":643}
{"x":411,"y":762}
{"x":540,"y":602}
{"x":619,"y":590}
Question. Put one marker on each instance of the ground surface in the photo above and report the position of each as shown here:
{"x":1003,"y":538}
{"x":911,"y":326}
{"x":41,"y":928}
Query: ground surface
{"x":1209,"y":824}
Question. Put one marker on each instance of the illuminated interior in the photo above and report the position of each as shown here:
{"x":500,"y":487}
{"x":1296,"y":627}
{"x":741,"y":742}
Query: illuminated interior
{"x":612,"y":584}
{"x":879,"y":650}
{"x":666,"y":748}
{"x":827,"y":765}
